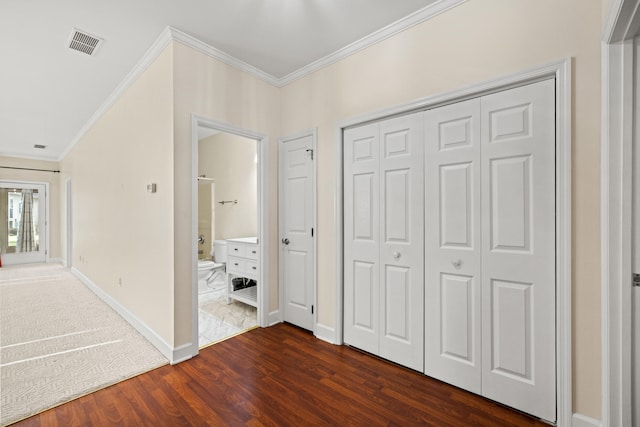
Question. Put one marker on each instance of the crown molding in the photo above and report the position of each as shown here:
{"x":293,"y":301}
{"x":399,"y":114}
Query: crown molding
{"x":172,"y":34}
{"x":390,"y":30}
{"x":424,"y":14}
{"x":622,"y":22}
{"x":224,"y":57}
{"x":35,"y":157}
{"x":147,"y":59}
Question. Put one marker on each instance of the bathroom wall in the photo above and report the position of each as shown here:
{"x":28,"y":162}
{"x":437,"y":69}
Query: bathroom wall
{"x":230,"y":161}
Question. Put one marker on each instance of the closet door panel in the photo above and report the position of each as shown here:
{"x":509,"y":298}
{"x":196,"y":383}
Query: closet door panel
{"x":452,"y":245}
{"x":401,"y":249}
{"x":362,"y":237}
{"x":518,"y":254}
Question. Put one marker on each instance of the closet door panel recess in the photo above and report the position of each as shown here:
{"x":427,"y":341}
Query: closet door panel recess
{"x":401,"y":255}
{"x":518,"y":248}
{"x":383,"y":239}
{"x":449,"y":244}
{"x":452,"y":245}
{"x":362,"y":237}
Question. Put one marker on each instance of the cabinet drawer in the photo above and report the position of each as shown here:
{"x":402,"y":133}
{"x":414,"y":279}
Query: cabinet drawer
{"x":253,"y":252}
{"x":236,"y":265}
{"x":251,"y":268}
{"x":235,"y":249}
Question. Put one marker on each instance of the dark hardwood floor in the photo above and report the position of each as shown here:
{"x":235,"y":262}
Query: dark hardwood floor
{"x":280,"y":376}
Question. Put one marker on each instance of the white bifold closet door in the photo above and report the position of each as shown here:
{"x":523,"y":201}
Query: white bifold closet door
{"x":490,"y":247}
{"x":453,"y":333}
{"x":383,"y":239}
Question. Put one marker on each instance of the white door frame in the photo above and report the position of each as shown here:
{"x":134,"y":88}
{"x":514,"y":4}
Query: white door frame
{"x":560,"y":70}
{"x":313,"y":133}
{"x":263,"y":217}
{"x":46,"y":209}
{"x":69,"y":220}
{"x":621,"y":26}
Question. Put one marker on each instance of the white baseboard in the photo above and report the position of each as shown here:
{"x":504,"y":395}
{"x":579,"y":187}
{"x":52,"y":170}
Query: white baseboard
{"x":325,"y":333}
{"x":274,"y":318}
{"x":56,"y":261}
{"x":175,"y":355}
{"x":579,"y":420}
{"x":182,"y":353}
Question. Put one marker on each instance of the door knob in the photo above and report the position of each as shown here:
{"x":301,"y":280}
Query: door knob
{"x":457,"y":263}
{"x":285,"y":241}
{"x":396,"y":255}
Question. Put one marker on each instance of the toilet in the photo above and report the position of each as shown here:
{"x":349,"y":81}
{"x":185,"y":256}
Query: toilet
{"x":209,"y":270}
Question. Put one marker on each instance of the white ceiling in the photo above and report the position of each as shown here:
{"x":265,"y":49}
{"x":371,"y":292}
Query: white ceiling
{"x":48,"y":92}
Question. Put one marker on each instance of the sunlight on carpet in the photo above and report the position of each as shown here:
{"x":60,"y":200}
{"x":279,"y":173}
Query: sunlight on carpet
{"x":59,"y":341}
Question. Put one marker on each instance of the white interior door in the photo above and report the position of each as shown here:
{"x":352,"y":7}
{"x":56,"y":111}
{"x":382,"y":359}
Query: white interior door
{"x":362,"y":237}
{"x":518,"y":248}
{"x":402,"y":241}
{"x":297,"y":204}
{"x":23,"y":212}
{"x":383,"y":239}
{"x":452,"y":245}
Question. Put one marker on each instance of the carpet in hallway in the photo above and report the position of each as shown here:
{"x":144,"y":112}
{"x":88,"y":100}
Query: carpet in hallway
{"x":59,"y":341}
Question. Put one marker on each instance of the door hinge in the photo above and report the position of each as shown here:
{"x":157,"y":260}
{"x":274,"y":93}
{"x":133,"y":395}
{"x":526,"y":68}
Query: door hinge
{"x":636,"y":279}
{"x":311,"y":309}
{"x":311,"y":231}
{"x":309,"y":150}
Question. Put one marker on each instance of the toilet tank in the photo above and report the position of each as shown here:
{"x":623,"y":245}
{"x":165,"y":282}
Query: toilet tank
{"x":220,"y":251}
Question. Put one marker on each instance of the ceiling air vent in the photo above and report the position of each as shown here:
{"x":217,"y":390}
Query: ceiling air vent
{"x":83,"y":42}
{"x":39,"y":146}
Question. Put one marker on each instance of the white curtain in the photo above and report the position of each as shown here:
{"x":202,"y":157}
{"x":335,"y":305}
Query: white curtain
{"x":26,"y":231}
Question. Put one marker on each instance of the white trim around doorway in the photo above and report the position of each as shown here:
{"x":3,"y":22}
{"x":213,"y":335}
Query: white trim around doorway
{"x":313,"y":133}
{"x":68,"y":262}
{"x":561,"y":71}
{"x":263,"y":217}
{"x":47,"y":221}
{"x":621,"y":26}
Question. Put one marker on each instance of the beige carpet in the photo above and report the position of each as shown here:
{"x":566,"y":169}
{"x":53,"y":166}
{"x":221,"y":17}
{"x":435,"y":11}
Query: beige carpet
{"x":59,"y":341}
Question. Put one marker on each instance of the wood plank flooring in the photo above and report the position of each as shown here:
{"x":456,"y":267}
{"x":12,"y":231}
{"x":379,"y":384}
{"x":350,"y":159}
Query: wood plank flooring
{"x":281,"y":376}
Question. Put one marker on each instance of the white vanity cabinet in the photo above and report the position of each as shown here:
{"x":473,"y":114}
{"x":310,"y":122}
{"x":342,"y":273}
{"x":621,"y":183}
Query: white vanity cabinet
{"x":243,"y":255}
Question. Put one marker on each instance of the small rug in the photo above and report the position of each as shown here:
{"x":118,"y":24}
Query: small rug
{"x":59,"y":341}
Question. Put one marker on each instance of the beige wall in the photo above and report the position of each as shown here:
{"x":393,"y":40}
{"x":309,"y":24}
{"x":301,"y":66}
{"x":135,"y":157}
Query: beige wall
{"x":146,"y":137}
{"x":476,"y":41}
{"x":120,"y":231}
{"x":230,"y":161}
{"x":54,"y":180}
{"x":209,"y":88}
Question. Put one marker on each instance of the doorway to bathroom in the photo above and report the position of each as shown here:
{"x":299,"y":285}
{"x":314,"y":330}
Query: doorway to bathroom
{"x":228,"y":292}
